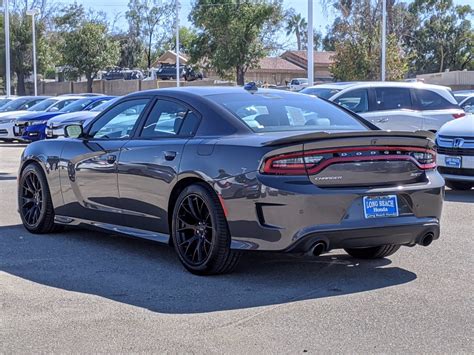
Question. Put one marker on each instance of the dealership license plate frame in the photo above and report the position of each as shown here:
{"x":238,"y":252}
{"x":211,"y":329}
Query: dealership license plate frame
{"x":453,"y":161}
{"x":380,"y":210}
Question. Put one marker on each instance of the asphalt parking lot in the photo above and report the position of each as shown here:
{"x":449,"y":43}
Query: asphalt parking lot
{"x":87,"y":292}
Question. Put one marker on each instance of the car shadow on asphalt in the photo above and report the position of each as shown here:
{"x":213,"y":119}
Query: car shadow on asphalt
{"x":459,"y":196}
{"x":148,"y":275}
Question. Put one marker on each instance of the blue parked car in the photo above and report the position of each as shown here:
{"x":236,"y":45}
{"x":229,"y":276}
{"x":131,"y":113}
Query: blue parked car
{"x":56,"y":125}
{"x":32,"y":127}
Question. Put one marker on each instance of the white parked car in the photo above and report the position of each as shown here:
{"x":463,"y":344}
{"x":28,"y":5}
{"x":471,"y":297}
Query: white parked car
{"x":298,"y":84}
{"x":455,"y":142}
{"x":394,"y":105}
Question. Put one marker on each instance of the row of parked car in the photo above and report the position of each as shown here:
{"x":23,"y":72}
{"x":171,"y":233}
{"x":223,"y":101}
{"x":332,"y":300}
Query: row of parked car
{"x":32,"y":118}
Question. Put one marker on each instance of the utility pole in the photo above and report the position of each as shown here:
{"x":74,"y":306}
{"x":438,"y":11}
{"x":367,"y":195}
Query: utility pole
{"x":384,"y":35}
{"x":178,"y":71}
{"x":8,"y":85}
{"x":310,"y":44}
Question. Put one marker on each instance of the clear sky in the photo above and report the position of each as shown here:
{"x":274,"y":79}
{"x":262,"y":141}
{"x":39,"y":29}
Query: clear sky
{"x":115,"y":9}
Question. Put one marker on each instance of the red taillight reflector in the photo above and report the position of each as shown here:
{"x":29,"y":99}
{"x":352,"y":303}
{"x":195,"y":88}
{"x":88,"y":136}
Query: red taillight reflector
{"x":312,"y":162}
{"x":459,"y":115}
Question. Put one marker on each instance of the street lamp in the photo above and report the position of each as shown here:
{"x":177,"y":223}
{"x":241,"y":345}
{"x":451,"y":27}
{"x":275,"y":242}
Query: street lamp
{"x":8,"y":85}
{"x":32,"y":13}
{"x":178,"y":71}
{"x":310,"y":44}
{"x":384,"y":38}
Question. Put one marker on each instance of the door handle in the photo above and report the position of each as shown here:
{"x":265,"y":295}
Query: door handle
{"x":169,"y":155}
{"x":382,"y":120}
{"x":111,"y":159}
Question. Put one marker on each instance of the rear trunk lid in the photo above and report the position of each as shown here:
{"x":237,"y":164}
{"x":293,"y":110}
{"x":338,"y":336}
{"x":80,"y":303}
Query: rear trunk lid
{"x":344,"y":159}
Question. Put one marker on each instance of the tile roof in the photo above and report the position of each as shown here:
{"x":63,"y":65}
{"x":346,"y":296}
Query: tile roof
{"x":319,"y":57}
{"x":277,"y":63}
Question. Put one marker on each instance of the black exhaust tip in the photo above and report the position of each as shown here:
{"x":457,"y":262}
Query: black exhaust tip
{"x":427,"y":239}
{"x":318,"y":249}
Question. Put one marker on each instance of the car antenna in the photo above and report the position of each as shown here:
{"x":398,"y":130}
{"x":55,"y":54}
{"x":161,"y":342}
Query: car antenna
{"x":251,"y":87}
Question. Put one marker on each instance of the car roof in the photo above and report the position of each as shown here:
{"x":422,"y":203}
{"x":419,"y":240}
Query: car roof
{"x":208,"y":90}
{"x":345,"y":85}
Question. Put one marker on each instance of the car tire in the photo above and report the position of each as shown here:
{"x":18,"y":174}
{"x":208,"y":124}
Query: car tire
{"x":459,"y":185}
{"x":34,"y":201}
{"x":373,"y":252}
{"x":200,"y":233}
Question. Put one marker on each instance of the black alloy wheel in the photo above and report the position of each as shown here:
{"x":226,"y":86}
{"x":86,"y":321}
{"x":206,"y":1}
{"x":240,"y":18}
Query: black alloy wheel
{"x":200,"y":232}
{"x":34,"y":201}
{"x":194,"y":230}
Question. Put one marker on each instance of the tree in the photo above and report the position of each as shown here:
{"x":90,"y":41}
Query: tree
{"x":296,"y":24}
{"x":186,"y":37}
{"x":151,"y":21}
{"x":443,"y":38}
{"x":230,"y":34}
{"x":90,"y":49}
{"x":355,"y":35}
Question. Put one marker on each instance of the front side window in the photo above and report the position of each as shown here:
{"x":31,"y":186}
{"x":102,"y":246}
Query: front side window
{"x":277,"y":112}
{"x":392,"y":99}
{"x":61,"y":104}
{"x":430,"y":100}
{"x":119,"y":121}
{"x":43,"y":105}
{"x":354,"y":100}
{"x":468,"y":102}
{"x":164,"y":120}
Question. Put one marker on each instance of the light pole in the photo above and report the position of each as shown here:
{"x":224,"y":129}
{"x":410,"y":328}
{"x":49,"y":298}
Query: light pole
{"x":32,"y":13}
{"x":384,"y":34}
{"x":178,"y":72}
{"x":310,"y":44}
{"x":7,"y":48}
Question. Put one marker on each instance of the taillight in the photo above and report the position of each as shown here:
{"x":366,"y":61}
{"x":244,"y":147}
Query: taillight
{"x":459,"y":115}
{"x":312,"y":162}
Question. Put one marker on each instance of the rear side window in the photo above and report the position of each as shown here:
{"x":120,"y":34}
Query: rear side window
{"x":430,"y":100}
{"x":166,"y":119}
{"x":355,"y":100}
{"x":392,"y":99}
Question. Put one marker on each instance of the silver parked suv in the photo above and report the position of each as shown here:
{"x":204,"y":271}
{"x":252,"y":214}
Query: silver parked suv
{"x":394,"y":105}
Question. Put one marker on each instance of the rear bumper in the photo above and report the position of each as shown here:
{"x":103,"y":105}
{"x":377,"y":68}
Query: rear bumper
{"x":291,"y":216}
{"x":398,"y":231}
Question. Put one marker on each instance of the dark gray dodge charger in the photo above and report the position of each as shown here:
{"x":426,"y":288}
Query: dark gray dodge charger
{"x":216,"y":171}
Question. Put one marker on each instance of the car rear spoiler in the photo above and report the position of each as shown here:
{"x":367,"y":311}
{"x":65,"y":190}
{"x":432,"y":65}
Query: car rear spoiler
{"x":314,"y":136}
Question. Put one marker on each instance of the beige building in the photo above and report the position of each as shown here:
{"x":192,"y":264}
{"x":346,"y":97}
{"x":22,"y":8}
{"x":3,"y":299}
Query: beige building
{"x":275,"y":71}
{"x":456,"y":80}
{"x":169,"y":57}
{"x":322,"y":62}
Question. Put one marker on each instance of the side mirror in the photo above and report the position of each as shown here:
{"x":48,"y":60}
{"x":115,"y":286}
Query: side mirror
{"x":73,"y":131}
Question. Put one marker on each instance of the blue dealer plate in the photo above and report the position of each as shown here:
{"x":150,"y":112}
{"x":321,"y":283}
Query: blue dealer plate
{"x":380,"y":206}
{"x":453,"y":162}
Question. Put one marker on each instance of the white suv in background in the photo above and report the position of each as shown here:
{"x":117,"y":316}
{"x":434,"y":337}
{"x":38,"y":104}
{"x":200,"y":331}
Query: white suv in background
{"x":394,"y":105}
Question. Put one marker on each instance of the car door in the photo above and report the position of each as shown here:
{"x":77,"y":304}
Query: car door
{"x":435,"y":109}
{"x":89,"y":180}
{"x":393,"y":109}
{"x":149,"y":164}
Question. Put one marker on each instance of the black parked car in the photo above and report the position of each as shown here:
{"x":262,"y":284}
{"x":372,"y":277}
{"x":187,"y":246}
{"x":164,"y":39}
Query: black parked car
{"x":217,"y":171}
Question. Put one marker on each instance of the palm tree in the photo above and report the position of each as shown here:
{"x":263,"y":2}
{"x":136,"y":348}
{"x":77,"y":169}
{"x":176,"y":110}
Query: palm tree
{"x":295,"y":24}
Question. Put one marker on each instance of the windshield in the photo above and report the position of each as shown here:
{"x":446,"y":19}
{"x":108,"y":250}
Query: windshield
{"x":320,"y":92}
{"x":104,"y":105}
{"x":78,"y":105}
{"x":43,"y":105}
{"x":15,"y":105}
{"x":3,"y":102}
{"x":275,"y":112}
